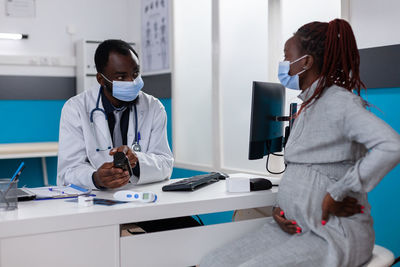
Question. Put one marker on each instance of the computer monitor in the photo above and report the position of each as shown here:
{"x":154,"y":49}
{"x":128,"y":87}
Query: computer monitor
{"x":266,"y":128}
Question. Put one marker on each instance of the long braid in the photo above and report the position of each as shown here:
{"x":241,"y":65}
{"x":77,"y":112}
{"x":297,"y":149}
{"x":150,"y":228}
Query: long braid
{"x":334,"y":49}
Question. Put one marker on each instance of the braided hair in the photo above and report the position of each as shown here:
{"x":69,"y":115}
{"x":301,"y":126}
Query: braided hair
{"x":335,"y":52}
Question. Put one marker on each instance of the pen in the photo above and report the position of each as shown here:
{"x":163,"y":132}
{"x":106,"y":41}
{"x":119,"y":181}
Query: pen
{"x":17,"y":172}
{"x":13,"y":178}
{"x":56,"y":190}
{"x":138,"y":138}
{"x":49,"y":198}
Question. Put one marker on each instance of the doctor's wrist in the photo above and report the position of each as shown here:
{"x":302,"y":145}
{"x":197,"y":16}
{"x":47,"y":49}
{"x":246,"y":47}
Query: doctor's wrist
{"x":95,"y":181}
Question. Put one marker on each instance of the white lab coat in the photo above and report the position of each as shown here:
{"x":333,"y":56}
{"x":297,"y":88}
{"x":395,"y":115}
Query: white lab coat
{"x":77,"y":155}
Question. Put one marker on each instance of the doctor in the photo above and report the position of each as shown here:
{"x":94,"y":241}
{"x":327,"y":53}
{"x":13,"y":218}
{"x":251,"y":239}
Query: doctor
{"x":118,"y":116}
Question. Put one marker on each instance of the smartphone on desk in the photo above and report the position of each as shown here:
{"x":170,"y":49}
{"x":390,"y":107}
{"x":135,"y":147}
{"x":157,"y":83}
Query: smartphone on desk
{"x":101,"y":201}
{"x":23,"y":194}
{"x":107,"y":202}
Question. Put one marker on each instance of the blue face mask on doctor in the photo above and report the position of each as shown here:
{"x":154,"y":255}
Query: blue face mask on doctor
{"x":291,"y":82}
{"x":126,"y":90}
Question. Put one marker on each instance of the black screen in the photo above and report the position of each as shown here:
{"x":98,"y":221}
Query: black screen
{"x":266,"y":133}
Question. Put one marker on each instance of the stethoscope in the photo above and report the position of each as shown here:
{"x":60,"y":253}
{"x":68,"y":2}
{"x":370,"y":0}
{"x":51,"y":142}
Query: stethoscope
{"x":135,"y":145}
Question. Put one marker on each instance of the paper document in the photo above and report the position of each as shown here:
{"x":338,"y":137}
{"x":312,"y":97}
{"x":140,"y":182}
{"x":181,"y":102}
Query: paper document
{"x":58,"y":191}
{"x":274,"y":180}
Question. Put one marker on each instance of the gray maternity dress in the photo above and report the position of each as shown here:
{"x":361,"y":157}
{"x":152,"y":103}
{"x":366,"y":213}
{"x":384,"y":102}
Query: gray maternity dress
{"x":336,"y":146}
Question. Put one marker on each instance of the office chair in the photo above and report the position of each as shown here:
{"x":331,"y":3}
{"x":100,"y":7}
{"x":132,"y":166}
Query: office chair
{"x":381,"y":257}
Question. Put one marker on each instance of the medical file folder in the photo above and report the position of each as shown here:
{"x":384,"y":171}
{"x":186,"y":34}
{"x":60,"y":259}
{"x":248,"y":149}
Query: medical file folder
{"x":49,"y":192}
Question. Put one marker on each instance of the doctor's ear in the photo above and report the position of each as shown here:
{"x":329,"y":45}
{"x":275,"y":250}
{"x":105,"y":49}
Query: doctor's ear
{"x":100,"y":79}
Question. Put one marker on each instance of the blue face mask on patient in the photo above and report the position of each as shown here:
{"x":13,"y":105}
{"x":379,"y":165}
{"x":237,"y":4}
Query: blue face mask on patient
{"x":291,"y":82}
{"x":126,"y":90}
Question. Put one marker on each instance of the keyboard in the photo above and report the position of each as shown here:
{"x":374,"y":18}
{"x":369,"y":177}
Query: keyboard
{"x":195,"y":182}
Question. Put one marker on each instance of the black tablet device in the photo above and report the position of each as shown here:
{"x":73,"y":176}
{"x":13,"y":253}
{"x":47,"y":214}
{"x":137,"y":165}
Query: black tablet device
{"x":23,"y":194}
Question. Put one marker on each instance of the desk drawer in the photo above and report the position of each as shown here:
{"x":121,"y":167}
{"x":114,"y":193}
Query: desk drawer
{"x":79,"y":248}
{"x":183,"y":247}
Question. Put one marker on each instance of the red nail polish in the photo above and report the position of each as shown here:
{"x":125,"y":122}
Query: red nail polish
{"x":323,"y":222}
{"x":281,"y":213}
{"x":362,"y":211}
{"x":362,"y":207}
{"x":298,"y":229}
{"x":294,"y":222}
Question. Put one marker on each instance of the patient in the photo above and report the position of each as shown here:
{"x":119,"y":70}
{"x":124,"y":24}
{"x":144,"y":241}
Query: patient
{"x":337,"y":152}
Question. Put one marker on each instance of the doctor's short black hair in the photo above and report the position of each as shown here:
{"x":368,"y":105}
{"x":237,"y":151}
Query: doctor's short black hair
{"x":106,"y":47}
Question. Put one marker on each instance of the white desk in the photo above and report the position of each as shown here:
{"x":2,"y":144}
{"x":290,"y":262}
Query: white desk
{"x":30,"y":150}
{"x":59,"y":233}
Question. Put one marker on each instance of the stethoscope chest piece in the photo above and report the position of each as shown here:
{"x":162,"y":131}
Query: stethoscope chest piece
{"x":136,"y":147}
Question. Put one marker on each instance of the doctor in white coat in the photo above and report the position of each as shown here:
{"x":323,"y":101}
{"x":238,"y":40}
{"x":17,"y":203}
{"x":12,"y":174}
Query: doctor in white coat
{"x":117,"y":116}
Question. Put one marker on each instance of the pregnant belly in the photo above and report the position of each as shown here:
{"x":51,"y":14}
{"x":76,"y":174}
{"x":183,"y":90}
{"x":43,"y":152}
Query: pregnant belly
{"x":301,"y":192}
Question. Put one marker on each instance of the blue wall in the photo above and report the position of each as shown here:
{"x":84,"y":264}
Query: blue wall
{"x":384,"y":198}
{"x":30,"y":121}
{"x":37,"y":121}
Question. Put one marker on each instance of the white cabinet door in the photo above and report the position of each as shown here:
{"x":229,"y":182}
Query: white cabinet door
{"x":182,"y":247}
{"x":84,"y":247}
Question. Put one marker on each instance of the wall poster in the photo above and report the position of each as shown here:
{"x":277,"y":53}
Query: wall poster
{"x":155,"y":36}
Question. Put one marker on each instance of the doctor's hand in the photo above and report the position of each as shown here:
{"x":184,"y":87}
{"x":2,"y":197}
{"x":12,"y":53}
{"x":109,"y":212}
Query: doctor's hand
{"x":128,"y":152}
{"x":289,"y":226}
{"x":345,"y":208}
{"x":110,"y":177}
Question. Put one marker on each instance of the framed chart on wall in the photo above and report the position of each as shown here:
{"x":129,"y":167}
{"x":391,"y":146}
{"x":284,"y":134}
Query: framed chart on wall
{"x":155,"y":37}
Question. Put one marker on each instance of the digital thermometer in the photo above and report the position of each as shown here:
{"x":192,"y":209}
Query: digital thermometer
{"x":128,"y":195}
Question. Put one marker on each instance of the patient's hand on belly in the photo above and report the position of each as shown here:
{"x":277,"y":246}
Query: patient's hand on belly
{"x":289,"y":226}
